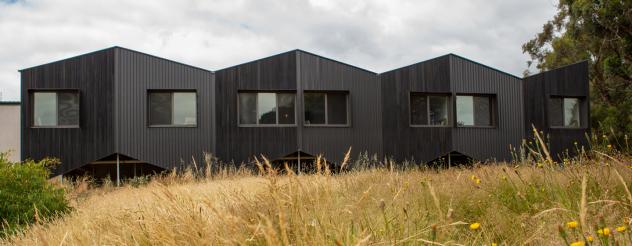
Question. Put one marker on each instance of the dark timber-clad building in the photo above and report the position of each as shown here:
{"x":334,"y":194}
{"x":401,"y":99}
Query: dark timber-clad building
{"x":122,"y":111}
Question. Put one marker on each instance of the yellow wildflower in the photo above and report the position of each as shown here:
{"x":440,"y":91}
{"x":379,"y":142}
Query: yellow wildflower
{"x":609,"y":146}
{"x":494,"y":244}
{"x":475,"y":226}
{"x":578,"y":243}
{"x":604,"y":232}
{"x":475,"y":179}
{"x":572,"y":224}
{"x":589,"y":238}
{"x":621,"y":228}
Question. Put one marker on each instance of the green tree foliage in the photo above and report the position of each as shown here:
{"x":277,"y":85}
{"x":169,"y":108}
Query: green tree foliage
{"x":599,"y":31}
{"x":26,"y":196}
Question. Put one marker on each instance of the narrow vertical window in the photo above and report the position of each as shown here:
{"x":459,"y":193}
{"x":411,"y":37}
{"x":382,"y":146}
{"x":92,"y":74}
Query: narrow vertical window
{"x":571,"y":112}
{"x":247,"y":108}
{"x":266,"y":108}
{"x":55,"y":109}
{"x":168,"y":108}
{"x":438,"y":110}
{"x":160,"y":108}
{"x":44,"y":109}
{"x":184,"y":108}
{"x":337,"y":108}
{"x":286,"y":107}
{"x":315,"y":108}
{"x":326,"y":108}
{"x":418,"y":110}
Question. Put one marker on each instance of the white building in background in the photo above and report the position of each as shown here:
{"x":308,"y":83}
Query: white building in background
{"x":10,"y":129}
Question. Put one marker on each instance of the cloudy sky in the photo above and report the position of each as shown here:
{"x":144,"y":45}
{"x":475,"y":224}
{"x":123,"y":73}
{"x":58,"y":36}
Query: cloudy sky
{"x":378,"y":35}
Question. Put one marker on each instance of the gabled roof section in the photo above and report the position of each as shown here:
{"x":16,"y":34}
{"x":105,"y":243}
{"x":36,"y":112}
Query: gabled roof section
{"x":333,"y":60}
{"x":582,"y":62}
{"x":418,"y":63}
{"x":160,"y":58}
{"x":69,"y":58}
{"x":452,"y":55}
{"x":258,"y":60}
{"x":482,"y":65}
{"x":114,"y":48}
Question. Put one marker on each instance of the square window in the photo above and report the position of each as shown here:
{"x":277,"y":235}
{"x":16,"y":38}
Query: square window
{"x":475,"y":110}
{"x":326,"y":108}
{"x":172,"y":108}
{"x":429,"y":109}
{"x":55,"y":109}
{"x":565,"y":112}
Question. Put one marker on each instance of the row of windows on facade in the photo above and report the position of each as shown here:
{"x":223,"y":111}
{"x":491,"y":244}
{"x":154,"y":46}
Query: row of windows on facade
{"x":179,"y":108}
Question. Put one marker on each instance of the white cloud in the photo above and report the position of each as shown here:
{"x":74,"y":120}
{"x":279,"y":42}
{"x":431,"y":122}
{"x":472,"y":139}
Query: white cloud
{"x":378,"y":35}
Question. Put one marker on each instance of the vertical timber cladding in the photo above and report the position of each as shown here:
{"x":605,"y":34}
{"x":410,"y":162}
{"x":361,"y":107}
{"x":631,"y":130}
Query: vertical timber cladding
{"x":92,"y":75}
{"x":401,"y":141}
{"x":363,"y":132}
{"x":166,"y":147}
{"x":488,"y":143}
{"x":242,"y":144}
{"x":570,"y":81}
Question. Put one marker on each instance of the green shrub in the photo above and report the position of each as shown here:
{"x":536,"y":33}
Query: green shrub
{"x":26,"y":196}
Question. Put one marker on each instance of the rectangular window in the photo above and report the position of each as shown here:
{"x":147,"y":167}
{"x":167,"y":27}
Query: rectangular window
{"x":266,"y":108}
{"x":172,"y":108}
{"x":326,"y":108}
{"x":55,"y":109}
{"x":476,"y":110}
{"x":429,"y":110}
{"x":564,"y":111}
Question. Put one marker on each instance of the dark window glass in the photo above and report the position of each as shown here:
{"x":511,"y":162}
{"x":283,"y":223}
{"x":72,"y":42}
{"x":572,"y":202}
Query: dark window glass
{"x":286,"y":104}
{"x":337,"y":108}
{"x":482,"y":111}
{"x":160,"y":108}
{"x":55,"y":109}
{"x":556,"y":116}
{"x":438,"y":114}
{"x":418,"y":110}
{"x":314,"y":108}
{"x":68,"y":108}
{"x":247,"y":108}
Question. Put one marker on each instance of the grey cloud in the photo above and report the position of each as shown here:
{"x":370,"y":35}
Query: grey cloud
{"x":378,"y":35}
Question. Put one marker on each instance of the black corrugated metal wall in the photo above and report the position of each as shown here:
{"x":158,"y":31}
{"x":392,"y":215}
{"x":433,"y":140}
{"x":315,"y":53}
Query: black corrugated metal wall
{"x":166,"y":147}
{"x":93,"y":75}
{"x":114,"y":83}
{"x":488,"y":143}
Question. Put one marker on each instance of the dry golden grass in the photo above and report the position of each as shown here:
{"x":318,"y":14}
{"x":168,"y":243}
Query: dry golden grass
{"x":514,"y":205}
